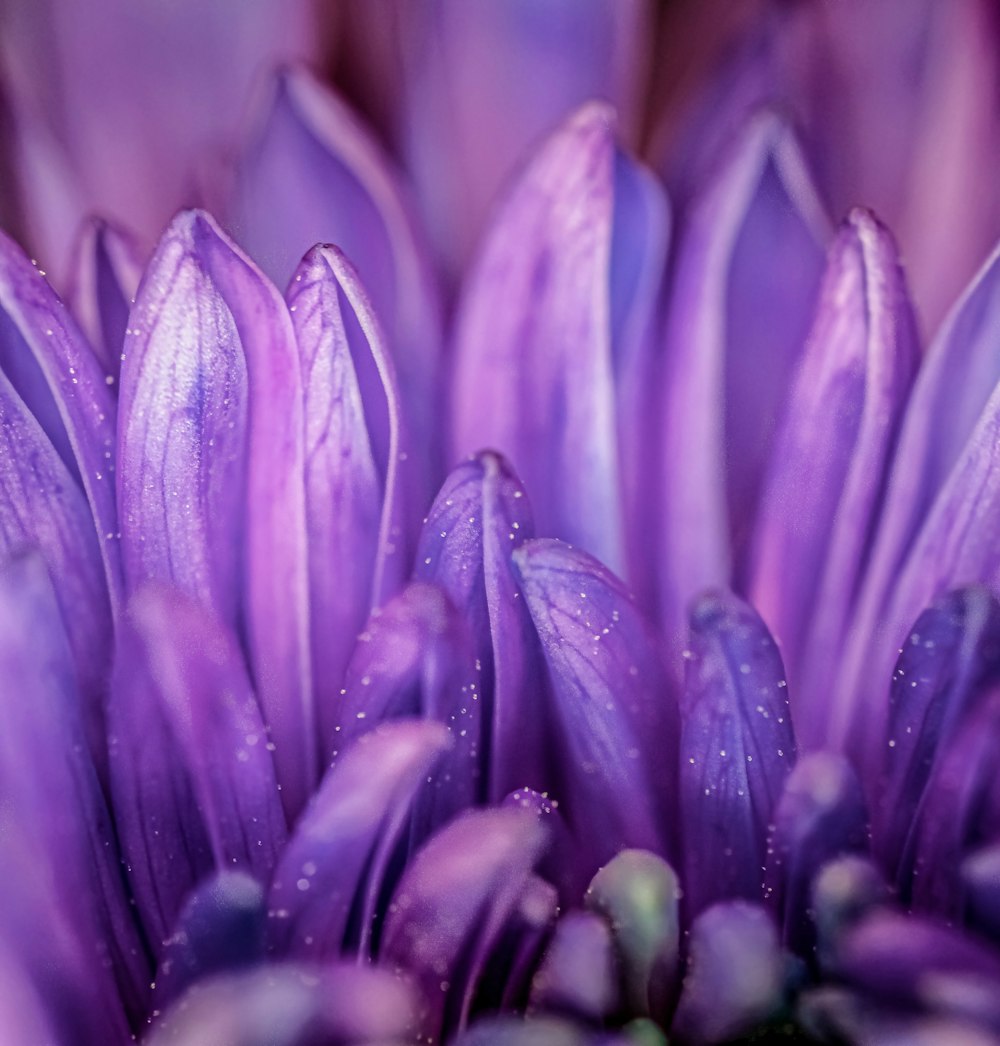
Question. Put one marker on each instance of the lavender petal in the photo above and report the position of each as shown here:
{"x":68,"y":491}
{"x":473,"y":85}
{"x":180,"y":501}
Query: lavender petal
{"x":578,"y":974}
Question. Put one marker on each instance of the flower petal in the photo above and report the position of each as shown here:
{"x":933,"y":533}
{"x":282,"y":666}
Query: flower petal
{"x":286,"y":1005}
{"x":353,"y":456}
{"x":540,"y":328}
{"x":476,"y":522}
{"x":746,"y":274}
{"x":843,"y":893}
{"x":191,"y":770}
{"x":325,"y":890}
{"x":637,"y":892}
{"x":737,"y":749}
{"x":831,"y":456}
{"x":981,"y":879}
{"x":105,"y":277}
{"x":951,"y":657}
{"x":210,"y":482}
{"x":452,"y":904}
{"x":539,"y":1031}
{"x":316,"y":174}
{"x":63,"y":902}
{"x":220,"y":928}
{"x":610,"y":705}
{"x":735,"y":977}
{"x":578,"y":974}
{"x":821,"y":815}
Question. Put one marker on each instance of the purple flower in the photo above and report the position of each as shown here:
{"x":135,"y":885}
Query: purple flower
{"x":582,"y":639}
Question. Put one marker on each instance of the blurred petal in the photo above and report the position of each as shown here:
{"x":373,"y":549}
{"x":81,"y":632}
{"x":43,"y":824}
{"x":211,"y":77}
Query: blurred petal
{"x":316,"y":174}
{"x":981,"y":879}
{"x":513,"y":1031}
{"x":103,"y":281}
{"x":476,"y":522}
{"x":220,"y":928}
{"x":547,"y":327}
{"x":285,"y":1005}
{"x":843,"y":893}
{"x":171,"y":79}
{"x":747,"y":270}
{"x":353,"y":456}
{"x":831,"y":455}
{"x":325,"y":891}
{"x":821,"y":815}
{"x":737,"y":749}
{"x":637,"y":892}
{"x":951,"y":657}
{"x":63,"y":905}
{"x":452,"y":904}
{"x":735,"y":977}
{"x":613,"y":713}
{"x":191,"y":769}
{"x":210,"y":481}
{"x":578,"y":974}
{"x":523,"y":67}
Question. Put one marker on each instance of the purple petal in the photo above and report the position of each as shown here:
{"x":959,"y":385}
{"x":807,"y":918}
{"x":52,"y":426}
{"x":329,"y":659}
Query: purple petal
{"x":210,"y":484}
{"x":25,"y":1014}
{"x":415,"y":659}
{"x":637,"y":892}
{"x":821,"y":815}
{"x":333,"y":870}
{"x":452,"y":904}
{"x":105,"y":276}
{"x":546,"y":326}
{"x":191,"y":769}
{"x":476,"y":522}
{"x":353,"y":456}
{"x":746,"y":274}
{"x":831,"y":455}
{"x":523,"y":67}
{"x":317,"y":174}
{"x":522,"y":944}
{"x":737,"y":749}
{"x":735,"y":976}
{"x":220,"y":928}
{"x":611,"y":710}
{"x":539,"y":1031}
{"x":285,"y":1005}
{"x":843,"y":893}
{"x":578,"y":974}
{"x":951,"y":656}
{"x":981,"y":879}
{"x":59,"y":861}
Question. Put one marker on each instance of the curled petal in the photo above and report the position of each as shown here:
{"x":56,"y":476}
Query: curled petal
{"x":747,"y":272}
{"x":353,"y":455}
{"x":452,"y":904}
{"x":609,"y":703}
{"x":578,"y":974}
{"x":191,"y":770}
{"x":210,"y":484}
{"x":325,"y":891}
{"x":317,"y":174}
{"x":831,"y":457}
{"x":737,"y":749}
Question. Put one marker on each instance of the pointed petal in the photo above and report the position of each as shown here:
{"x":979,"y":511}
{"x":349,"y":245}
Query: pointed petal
{"x":638,"y":893}
{"x":610,"y":706}
{"x":746,"y":275}
{"x":476,"y":522}
{"x":452,"y":904}
{"x":210,"y":481}
{"x":539,"y":329}
{"x":104,"y":278}
{"x":523,"y":68}
{"x":191,"y":771}
{"x":951,"y":657}
{"x":286,"y":1005}
{"x":317,"y":174}
{"x":353,"y":457}
{"x":831,"y":456}
{"x":735,"y":977}
{"x":821,"y":815}
{"x":415,"y":659}
{"x":578,"y":974}
{"x":67,"y":869}
{"x":220,"y":928}
{"x":843,"y":893}
{"x":737,"y":749}
{"x":325,"y":891}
